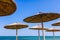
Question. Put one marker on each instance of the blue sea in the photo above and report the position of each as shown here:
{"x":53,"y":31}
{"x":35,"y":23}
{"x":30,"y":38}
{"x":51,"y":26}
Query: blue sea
{"x":28,"y":38}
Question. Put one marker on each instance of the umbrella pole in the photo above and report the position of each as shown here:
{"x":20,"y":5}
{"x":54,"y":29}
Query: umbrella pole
{"x":16,"y":34}
{"x":43,"y":31}
{"x":38,"y":35}
{"x":53,"y":36}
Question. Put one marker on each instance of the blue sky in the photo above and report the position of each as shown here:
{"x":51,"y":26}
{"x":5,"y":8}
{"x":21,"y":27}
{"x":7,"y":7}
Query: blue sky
{"x":26,"y":8}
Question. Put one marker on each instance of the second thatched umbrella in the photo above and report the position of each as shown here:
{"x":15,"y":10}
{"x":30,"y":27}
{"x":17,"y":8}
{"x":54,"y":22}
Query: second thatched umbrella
{"x":38,"y":28}
{"x":53,"y":30}
{"x":42,"y":17}
{"x":16,"y":26}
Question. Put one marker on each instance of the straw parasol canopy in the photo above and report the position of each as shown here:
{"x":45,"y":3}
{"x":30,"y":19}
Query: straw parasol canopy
{"x":7,"y":7}
{"x":53,"y":30}
{"x":37,"y":28}
{"x":42,"y":17}
{"x":56,"y":24}
{"x":16,"y":26}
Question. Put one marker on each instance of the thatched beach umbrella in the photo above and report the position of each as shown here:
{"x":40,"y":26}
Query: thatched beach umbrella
{"x":53,"y":30}
{"x":42,"y":17}
{"x":38,"y":28}
{"x":16,"y":26}
{"x":7,"y":7}
{"x":56,"y":24}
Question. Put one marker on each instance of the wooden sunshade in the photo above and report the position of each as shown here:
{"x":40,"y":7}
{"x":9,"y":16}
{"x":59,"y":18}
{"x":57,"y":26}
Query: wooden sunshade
{"x":16,"y":26}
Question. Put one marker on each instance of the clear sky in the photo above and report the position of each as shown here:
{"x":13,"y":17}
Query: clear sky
{"x":26,"y":8}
